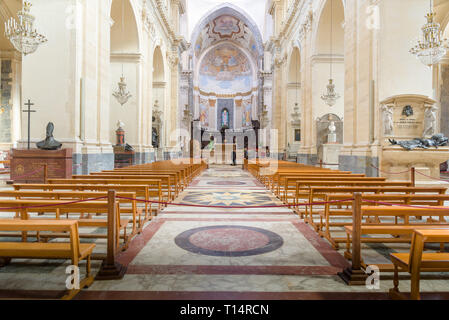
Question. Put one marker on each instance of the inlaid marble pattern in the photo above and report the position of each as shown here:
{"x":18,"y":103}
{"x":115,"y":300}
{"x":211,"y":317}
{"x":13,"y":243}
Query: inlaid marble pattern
{"x":300,"y":264}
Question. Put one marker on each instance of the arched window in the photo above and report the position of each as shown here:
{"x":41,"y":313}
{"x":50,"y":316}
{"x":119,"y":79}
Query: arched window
{"x":225,"y":118}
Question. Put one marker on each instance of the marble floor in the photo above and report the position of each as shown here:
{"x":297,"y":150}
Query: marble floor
{"x":220,"y":253}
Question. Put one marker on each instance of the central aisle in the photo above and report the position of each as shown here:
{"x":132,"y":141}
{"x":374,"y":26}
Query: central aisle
{"x":215,"y":253}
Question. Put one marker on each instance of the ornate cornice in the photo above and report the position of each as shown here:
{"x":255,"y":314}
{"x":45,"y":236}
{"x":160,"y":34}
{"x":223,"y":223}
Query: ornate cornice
{"x":280,"y":60}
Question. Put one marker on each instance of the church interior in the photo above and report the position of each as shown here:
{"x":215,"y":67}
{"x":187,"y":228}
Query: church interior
{"x":224,"y":150}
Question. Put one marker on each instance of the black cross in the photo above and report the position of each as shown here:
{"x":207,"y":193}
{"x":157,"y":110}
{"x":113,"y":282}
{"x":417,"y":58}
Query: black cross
{"x":29,"y":104}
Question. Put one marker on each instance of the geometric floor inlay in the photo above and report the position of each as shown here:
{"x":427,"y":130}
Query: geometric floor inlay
{"x":229,"y":241}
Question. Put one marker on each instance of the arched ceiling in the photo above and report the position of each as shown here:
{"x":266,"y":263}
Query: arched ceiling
{"x":124,"y":38}
{"x":226,"y":23}
{"x":197,"y":9}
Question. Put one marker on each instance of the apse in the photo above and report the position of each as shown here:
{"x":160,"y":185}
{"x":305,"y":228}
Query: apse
{"x":226,"y":55}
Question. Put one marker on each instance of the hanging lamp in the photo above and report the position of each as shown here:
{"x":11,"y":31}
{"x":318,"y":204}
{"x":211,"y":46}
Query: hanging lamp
{"x":122,"y":95}
{"x":331,"y":96}
{"x":432,"y":48}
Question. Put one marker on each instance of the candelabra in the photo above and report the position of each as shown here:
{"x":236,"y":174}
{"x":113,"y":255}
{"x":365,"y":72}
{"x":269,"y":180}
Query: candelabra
{"x":121,"y":94}
{"x":432,"y":48}
{"x":23,"y":36}
{"x":330,"y":97}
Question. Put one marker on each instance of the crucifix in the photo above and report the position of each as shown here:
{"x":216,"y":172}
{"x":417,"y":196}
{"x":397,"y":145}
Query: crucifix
{"x":29,"y":104}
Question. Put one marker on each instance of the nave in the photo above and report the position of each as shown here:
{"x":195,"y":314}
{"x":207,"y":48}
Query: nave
{"x":217,"y":253}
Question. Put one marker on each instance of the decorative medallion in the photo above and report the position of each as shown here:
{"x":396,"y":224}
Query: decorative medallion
{"x":229,"y":241}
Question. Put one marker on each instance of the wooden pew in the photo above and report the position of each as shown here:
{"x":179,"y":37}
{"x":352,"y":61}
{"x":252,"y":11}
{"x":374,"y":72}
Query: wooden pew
{"x":141,"y":191}
{"x":170,"y":181}
{"x":73,"y":250}
{"x":43,"y":205}
{"x":329,"y":211}
{"x":289,"y":193}
{"x":416,"y":260}
{"x":153,"y":184}
{"x":80,"y":195}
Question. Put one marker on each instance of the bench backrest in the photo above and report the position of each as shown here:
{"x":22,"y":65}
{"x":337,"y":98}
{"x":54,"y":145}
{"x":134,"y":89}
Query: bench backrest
{"x":70,"y":226}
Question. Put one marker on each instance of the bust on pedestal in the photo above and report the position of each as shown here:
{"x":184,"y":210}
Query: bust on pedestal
{"x":27,"y":165}
{"x":124,"y":154}
{"x":331,"y":149}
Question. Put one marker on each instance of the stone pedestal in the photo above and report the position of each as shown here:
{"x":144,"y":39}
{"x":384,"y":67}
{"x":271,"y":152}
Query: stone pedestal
{"x":330,"y":153}
{"x":27,"y":165}
{"x":426,"y":161}
{"x":123,"y":158}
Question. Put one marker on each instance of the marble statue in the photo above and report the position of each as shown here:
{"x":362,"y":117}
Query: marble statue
{"x":49,"y":143}
{"x":120,"y":124}
{"x":388,"y":120}
{"x":435,"y":141}
{"x":430,"y":121}
{"x":332,"y":136}
{"x":155,"y":138}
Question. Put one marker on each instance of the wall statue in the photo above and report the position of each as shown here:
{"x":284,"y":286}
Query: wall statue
{"x":430,"y":120}
{"x":388,"y":120}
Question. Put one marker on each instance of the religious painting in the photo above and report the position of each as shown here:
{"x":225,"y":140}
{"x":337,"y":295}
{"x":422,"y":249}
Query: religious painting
{"x":225,"y":70}
{"x":204,"y":112}
{"x":225,"y":118}
{"x":246,"y":118}
{"x":225,"y":26}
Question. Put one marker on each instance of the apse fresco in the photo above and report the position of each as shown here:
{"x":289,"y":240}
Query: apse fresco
{"x":225,"y":70}
{"x":226,"y":27}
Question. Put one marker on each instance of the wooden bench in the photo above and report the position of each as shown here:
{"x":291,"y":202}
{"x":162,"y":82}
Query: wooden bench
{"x":73,"y":250}
{"x":416,"y":260}
{"x":325,"y":224}
{"x":153,"y":184}
{"x":136,"y":214}
{"x":43,"y":205}
{"x":170,"y":182}
{"x":289,"y":193}
{"x":141,"y":191}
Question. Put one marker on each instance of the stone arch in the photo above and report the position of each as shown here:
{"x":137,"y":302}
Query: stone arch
{"x":159,"y":94}
{"x":293,"y":100}
{"x":322,"y":27}
{"x":124,"y":58}
{"x":322,"y":58}
{"x":229,"y":9}
{"x":158,"y":65}
{"x":130,"y":43}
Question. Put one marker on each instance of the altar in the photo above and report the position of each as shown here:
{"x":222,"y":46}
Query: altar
{"x":221,"y":153}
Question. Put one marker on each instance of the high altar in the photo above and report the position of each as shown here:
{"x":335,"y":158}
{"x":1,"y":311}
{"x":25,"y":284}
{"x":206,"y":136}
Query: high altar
{"x":407,"y":117}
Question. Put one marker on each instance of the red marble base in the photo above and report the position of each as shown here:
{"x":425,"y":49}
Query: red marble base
{"x":27,"y":165}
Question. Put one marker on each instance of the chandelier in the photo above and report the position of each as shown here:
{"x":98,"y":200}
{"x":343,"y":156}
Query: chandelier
{"x":22,"y":35}
{"x":331,"y":97}
{"x":432,"y":48}
{"x":121,"y":94}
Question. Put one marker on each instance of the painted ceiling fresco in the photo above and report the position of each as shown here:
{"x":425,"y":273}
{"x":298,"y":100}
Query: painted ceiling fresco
{"x":225,"y":70}
{"x":226,"y":27}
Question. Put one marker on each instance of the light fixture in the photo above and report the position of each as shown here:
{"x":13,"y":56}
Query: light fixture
{"x":331,"y":97}
{"x":22,"y":35}
{"x":432,"y":48}
{"x":296,"y":115}
{"x":121,"y":94}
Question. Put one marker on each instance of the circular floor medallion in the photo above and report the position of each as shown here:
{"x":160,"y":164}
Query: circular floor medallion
{"x":229,"y":241}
